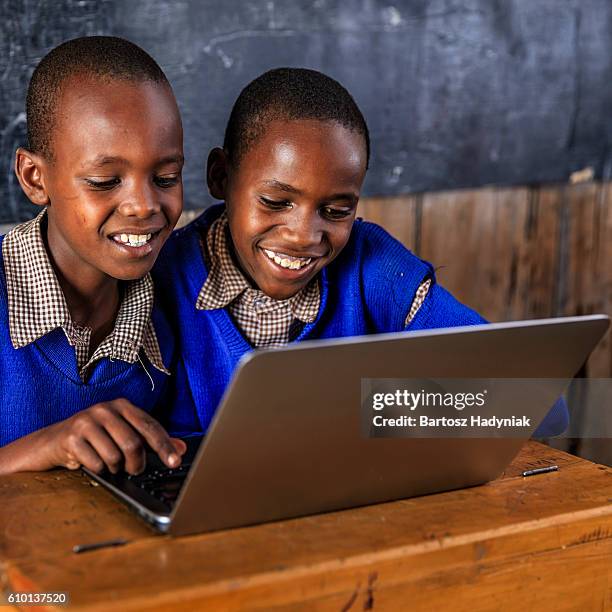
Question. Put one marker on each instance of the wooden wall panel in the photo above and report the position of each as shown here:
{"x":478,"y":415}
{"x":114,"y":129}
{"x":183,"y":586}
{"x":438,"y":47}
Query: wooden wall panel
{"x":602,"y":355}
{"x":540,"y":266}
{"x":476,"y":238}
{"x":578,"y":284}
{"x":398,"y":215}
{"x":586,"y":279}
{"x":514,"y":253}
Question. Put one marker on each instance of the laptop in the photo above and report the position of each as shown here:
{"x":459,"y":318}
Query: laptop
{"x":287,"y":439}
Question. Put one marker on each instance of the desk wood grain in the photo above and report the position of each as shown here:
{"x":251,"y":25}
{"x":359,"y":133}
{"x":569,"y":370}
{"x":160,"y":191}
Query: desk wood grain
{"x":543,"y":542}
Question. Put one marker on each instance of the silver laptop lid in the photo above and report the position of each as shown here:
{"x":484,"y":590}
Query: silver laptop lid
{"x":286,"y":440}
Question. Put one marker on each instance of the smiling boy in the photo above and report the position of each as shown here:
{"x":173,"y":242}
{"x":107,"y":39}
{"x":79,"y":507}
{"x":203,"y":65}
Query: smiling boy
{"x":83,"y":353}
{"x":285,"y":258}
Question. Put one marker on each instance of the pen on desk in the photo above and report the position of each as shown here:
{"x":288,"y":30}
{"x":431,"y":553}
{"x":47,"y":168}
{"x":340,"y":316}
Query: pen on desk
{"x":542,"y":470}
{"x":81,"y":548}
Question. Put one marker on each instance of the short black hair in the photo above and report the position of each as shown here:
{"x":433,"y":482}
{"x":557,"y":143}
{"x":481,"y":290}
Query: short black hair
{"x":287,"y":94}
{"x":100,"y":57}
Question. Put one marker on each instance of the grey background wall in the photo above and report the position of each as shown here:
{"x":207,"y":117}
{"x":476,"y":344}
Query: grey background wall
{"x":456,"y":92}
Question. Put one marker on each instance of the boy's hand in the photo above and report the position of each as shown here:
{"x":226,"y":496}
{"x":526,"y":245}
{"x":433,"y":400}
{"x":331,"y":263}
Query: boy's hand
{"x":111,"y":434}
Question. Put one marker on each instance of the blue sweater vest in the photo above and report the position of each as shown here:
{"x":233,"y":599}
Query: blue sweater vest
{"x":367,"y":289}
{"x":40,"y":383}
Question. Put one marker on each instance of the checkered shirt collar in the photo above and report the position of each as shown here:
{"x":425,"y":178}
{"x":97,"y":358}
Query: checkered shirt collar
{"x":37,"y":305}
{"x":226,"y":283}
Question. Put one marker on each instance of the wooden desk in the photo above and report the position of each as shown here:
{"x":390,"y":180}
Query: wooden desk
{"x":537,"y":543}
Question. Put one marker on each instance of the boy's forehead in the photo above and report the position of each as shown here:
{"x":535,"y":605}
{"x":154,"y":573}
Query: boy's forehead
{"x":308,"y":147}
{"x":107,"y":114}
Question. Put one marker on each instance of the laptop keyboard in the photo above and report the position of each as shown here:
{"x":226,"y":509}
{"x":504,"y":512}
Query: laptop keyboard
{"x":158,"y":487}
{"x":162,"y":483}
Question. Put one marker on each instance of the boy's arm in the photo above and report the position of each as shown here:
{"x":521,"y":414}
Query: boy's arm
{"x":555,"y":422}
{"x":110,"y":434}
{"x":439,"y":308}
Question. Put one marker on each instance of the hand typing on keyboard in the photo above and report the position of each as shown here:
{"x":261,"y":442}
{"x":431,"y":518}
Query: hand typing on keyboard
{"x":110,"y":435}
{"x":162,"y":482}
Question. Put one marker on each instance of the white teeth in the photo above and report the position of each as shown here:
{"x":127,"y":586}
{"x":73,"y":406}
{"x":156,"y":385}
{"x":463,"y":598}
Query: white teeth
{"x":133,"y":240}
{"x":286,"y":261}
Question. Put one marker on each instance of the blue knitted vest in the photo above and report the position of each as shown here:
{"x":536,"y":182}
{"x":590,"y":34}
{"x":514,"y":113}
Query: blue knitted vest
{"x":40,"y":382}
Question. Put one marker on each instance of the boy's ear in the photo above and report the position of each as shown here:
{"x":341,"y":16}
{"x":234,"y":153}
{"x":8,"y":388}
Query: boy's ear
{"x":29,"y":170}
{"x":216,"y":173}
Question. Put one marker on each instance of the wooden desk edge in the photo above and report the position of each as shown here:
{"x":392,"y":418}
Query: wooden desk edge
{"x":397,"y":574}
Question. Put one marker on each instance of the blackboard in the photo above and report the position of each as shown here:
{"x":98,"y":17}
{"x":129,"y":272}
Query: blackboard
{"x":457,"y":93}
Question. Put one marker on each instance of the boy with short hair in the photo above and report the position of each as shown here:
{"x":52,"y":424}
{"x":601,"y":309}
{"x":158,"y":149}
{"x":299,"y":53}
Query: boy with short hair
{"x":78,"y":324}
{"x":284,"y":259}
